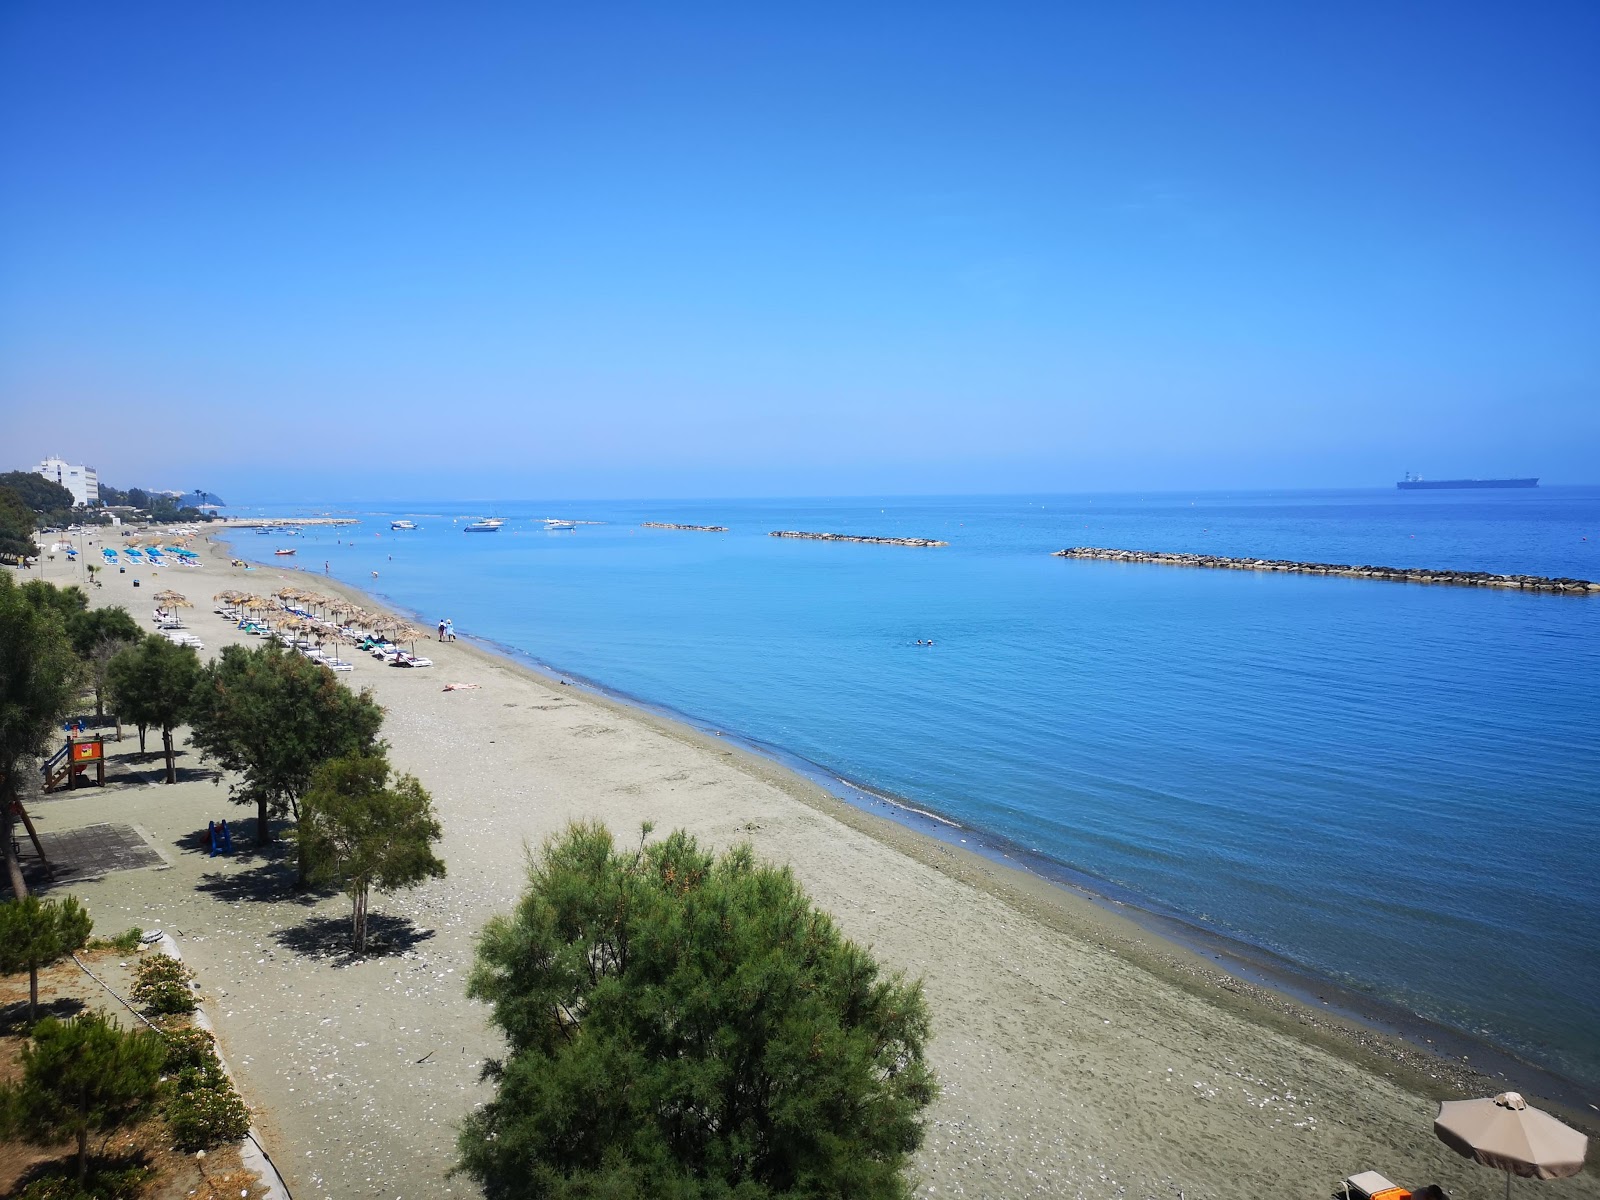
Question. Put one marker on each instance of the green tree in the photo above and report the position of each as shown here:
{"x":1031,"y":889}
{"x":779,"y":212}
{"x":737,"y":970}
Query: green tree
{"x":689,"y":1026}
{"x":35,"y":933}
{"x":41,"y":495}
{"x":274,"y":717}
{"x":153,"y":684}
{"x":362,"y":832}
{"x":80,"y":1077}
{"x":16,"y":526}
{"x":40,"y":679}
{"x":98,"y":635}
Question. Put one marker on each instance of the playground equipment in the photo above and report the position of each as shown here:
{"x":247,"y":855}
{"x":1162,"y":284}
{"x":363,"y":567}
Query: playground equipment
{"x":22,"y":814}
{"x":72,"y":762}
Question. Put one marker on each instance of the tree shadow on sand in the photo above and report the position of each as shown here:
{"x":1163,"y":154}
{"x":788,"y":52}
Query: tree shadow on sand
{"x":272,"y":877}
{"x":329,"y":937}
{"x":14,"y":1017}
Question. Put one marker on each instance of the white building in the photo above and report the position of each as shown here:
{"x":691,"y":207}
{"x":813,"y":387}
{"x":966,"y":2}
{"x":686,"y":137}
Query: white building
{"x":82,"y":482}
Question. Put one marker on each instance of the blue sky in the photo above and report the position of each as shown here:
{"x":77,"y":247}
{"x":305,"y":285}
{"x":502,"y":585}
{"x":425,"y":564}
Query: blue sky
{"x":701,"y":249}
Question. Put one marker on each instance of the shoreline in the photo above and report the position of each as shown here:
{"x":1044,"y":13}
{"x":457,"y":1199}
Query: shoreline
{"x":1078,"y":1054}
{"x":1374,"y":1033}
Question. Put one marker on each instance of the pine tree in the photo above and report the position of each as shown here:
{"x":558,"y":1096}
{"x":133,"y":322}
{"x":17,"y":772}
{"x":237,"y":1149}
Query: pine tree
{"x":80,"y":1077}
{"x":35,"y":933}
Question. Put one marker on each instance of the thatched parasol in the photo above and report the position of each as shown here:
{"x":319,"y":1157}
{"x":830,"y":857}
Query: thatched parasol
{"x":175,"y":599}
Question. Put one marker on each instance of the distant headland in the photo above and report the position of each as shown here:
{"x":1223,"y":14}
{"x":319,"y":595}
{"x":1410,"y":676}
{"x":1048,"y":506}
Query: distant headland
{"x":850,"y":537}
{"x":1527,"y":583}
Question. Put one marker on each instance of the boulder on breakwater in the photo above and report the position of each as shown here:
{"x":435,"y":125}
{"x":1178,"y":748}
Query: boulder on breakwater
{"x":850,"y":537}
{"x":695,"y":528}
{"x":1526,"y":583}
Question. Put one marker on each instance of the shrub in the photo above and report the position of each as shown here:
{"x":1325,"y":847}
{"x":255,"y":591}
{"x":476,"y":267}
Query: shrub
{"x":126,"y":942}
{"x":124,"y":1183}
{"x":205,"y":1110}
{"x":161,"y":984}
{"x":209,"y":1114}
{"x":189,"y":1049}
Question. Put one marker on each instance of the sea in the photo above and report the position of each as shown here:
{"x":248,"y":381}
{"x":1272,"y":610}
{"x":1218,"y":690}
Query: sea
{"x":1387,"y":792}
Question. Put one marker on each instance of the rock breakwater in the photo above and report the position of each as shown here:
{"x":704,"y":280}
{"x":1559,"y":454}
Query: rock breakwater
{"x":850,"y":537}
{"x":694,"y":528}
{"x":1526,"y":583}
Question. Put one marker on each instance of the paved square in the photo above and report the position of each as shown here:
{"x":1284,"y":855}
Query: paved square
{"x":92,"y":851}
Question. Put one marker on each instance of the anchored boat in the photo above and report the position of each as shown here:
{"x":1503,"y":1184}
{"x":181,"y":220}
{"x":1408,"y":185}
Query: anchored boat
{"x":484,"y":525}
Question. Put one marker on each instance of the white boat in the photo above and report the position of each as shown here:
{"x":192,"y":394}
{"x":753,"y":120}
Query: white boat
{"x":484,"y":525}
{"x":557,"y":523}
{"x":402,"y":524}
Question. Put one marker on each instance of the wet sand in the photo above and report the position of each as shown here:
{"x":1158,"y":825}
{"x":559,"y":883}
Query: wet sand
{"x":1079,"y":1055}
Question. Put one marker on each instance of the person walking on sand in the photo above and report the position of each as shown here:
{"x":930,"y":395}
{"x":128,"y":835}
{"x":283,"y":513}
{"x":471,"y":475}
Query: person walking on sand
{"x":449,"y":630}
{"x":441,"y":628}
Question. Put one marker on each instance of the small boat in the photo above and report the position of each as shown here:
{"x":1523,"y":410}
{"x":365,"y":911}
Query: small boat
{"x":283,"y":551}
{"x":262,"y":531}
{"x":484,"y":525}
{"x":553,"y":523}
{"x":402,"y":524}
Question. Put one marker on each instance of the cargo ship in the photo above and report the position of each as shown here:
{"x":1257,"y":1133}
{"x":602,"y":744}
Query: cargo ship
{"x":1416,"y":483}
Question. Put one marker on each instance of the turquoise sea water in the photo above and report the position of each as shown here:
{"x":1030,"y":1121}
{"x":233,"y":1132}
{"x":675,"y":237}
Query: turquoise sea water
{"x":1394,"y":787}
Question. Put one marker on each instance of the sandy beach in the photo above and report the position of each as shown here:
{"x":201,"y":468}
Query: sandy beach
{"x":1078,"y":1054}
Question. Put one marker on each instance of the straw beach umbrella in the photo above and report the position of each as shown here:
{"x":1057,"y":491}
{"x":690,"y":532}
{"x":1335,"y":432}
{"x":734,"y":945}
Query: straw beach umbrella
{"x":172,"y":598}
{"x":1506,"y":1133}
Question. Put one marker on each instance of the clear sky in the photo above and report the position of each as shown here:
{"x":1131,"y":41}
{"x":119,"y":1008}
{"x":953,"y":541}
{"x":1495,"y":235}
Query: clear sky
{"x":328,"y":250}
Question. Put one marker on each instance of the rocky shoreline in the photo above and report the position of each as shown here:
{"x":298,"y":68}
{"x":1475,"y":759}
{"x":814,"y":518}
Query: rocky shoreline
{"x":1526,"y":583}
{"x":692,"y":528}
{"x":850,"y":537}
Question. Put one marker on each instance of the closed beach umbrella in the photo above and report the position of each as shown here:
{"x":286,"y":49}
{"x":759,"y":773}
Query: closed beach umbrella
{"x":1507,"y":1134}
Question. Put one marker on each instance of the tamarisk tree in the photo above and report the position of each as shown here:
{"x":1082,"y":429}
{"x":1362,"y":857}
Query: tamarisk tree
{"x":274,"y":717}
{"x":690,"y":1026}
{"x":360,"y":831}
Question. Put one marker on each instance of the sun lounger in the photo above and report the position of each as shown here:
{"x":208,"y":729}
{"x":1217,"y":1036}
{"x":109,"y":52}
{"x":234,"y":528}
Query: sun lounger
{"x":1370,"y":1185}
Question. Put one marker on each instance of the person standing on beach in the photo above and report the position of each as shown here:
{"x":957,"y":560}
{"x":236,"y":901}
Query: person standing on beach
{"x":441,"y":628}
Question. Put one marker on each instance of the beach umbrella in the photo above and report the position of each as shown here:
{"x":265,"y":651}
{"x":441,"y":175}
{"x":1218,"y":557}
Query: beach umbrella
{"x":1506,"y":1133}
{"x":176,"y":599}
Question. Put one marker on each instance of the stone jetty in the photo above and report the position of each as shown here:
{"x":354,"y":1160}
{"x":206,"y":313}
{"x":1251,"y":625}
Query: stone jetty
{"x":693,"y":528}
{"x":1526,"y":583}
{"x":850,"y":537}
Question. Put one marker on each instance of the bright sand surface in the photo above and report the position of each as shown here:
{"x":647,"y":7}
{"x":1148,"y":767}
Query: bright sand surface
{"x":1078,"y":1055}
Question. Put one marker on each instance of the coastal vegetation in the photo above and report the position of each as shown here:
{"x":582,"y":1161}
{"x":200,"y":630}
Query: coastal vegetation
{"x":16,"y":527}
{"x":274,"y":717}
{"x":152,"y":683}
{"x":35,"y":933}
{"x":83,"y":1076}
{"x":163,"y":985}
{"x":360,"y":831}
{"x":683,"y":1024}
{"x":204,"y":1109}
{"x":40,"y":678}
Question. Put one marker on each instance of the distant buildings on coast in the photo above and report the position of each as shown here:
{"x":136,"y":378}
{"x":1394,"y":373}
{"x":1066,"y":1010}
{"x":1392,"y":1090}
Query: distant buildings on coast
{"x":83,"y":482}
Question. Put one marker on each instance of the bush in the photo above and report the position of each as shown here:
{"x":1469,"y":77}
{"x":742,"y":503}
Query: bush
{"x":189,"y":1049}
{"x":126,"y":942}
{"x":210,"y":1113}
{"x":124,"y":1183}
{"x":161,"y":984}
{"x":205,"y":1110}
